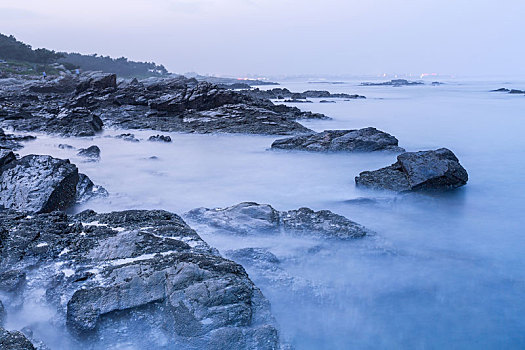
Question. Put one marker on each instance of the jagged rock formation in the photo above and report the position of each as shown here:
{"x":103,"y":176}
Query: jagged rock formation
{"x":136,"y":279}
{"x":81,"y":106}
{"x":362,"y":140}
{"x":250,"y":218}
{"x":38,"y":183}
{"x":426,"y":170}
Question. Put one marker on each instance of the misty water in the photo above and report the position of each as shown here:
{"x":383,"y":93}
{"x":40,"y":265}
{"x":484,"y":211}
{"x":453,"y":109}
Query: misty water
{"x":442,"y":271}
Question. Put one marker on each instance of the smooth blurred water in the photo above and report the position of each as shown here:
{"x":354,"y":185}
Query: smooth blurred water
{"x":444,"y":270}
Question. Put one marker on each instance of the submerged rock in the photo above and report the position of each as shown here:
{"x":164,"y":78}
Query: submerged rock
{"x":425,"y":170}
{"x":92,"y":152}
{"x":394,"y":82}
{"x":250,"y":218}
{"x":362,"y":140}
{"x":127,"y":137}
{"x":37,"y":183}
{"x":140,"y":278}
{"x":160,"y":138}
{"x":12,"y":142}
{"x":14,"y":341}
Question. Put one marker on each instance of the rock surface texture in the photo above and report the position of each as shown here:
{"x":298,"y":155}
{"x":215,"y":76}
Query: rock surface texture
{"x":37,"y":183}
{"x":362,"y":140}
{"x":14,"y":341}
{"x":132,"y":279}
{"x":250,"y":218}
{"x":82,"y":106}
{"x":425,"y":170}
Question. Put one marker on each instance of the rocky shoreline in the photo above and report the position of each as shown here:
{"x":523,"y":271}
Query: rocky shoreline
{"x":146,"y":278}
{"x":84,"y":105}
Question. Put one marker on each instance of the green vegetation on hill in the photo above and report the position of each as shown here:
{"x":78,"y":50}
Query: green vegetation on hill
{"x":121,"y":66}
{"x":22,"y":59}
{"x":12,"y":49}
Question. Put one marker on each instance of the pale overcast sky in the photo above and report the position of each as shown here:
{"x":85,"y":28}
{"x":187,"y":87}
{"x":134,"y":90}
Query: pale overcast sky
{"x":236,"y":37}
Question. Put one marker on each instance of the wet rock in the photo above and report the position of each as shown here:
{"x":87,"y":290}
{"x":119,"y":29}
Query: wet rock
{"x":14,"y":341}
{"x":160,"y":138}
{"x":127,"y":137}
{"x":87,"y":190}
{"x":164,"y":104}
{"x":97,"y":81}
{"x":501,"y":90}
{"x":61,"y":85}
{"x":516,"y":91}
{"x":2,"y":314}
{"x":140,"y":278}
{"x":12,"y":142}
{"x":362,"y":140}
{"x":250,"y":218}
{"x":297,"y":101}
{"x":425,"y":170}
{"x":92,"y":152}
{"x":327,"y":101}
{"x":6,"y":157}
{"x":283,"y":93}
{"x":65,"y":146}
{"x":394,"y":82}
{"x":38,"y":184}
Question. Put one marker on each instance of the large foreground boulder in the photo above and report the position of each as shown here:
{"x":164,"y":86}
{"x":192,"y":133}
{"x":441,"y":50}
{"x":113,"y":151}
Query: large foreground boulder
{"x":40,"y":183}
{"x":425,"y":170}
{"x":362,"y":140}
{"x":250,"y":218}
{"x":132,"y":279}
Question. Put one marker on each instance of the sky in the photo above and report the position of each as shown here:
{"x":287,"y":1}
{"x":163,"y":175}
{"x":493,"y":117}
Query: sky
{"x":283,"y":37}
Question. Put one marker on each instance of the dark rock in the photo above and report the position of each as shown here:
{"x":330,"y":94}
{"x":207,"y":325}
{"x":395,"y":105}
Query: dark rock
{"x":12,"y":142}
{"x":326,"y":101}
{"x":2,"y":314}
{"x":250,"y":218}
{"x":164,"y":104}
{"x":501,"y":90}
{"x":425,"y":170}
{"x":140,"y":278}
{"x":161,"y":138}
{"x":394,"y":82}
{"x":97,"y":81}
{"x":14,"y":341}
{"x":87,"y":190}
{"x":436,"y":83}
{"x":362,"y":140}
{"x":6,"y":157}
{"x":297,"y":101}
{"x":38,"y":184}
{"x":92,"y":152}
{"x":65,"y":146}
{"x":127,"y":137}
{"x":515,"y":91}
{"x":61,"y":85}
{"x":281,"y":93}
